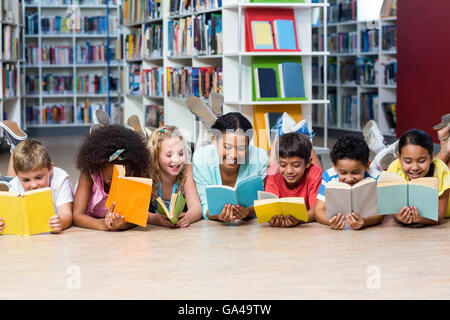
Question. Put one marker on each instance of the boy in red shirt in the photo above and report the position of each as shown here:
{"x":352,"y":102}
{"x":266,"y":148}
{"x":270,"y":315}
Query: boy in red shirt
{"x":296,"y":176}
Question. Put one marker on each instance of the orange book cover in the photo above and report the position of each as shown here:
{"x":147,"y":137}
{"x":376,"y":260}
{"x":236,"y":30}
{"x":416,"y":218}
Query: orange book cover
{"x":131,"y":196}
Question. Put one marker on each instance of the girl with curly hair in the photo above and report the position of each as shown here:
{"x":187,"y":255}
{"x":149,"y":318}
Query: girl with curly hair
{"x":170,"y":173}
{"x":101,"y":150}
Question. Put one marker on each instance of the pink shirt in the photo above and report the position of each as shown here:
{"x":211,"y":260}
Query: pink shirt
{"x":308,"y":187}
{"x":97,"y":202}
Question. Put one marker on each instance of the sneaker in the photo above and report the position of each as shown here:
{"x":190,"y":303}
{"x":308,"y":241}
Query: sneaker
{"x":12,"y":133}
{"x":216,"y":103}
{"x":4,"y":186}
{"x":135,"y":124}
{"x":198,"y":107}
{"x":94,"y":127}
{"x":386,"y":156}
{"x":373,"y":137}
{"x":445,"y":121}
{"x":287,"y":124}
{"x":101,"y":117}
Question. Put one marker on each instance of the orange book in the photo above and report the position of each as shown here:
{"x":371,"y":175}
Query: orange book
{"x":131,"y":196}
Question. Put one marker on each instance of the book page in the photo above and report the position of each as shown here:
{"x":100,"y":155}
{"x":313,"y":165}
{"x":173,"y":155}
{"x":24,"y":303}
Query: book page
{"x":266,"y":195}
{"x":247,"y":190}
{"x":425,"y":198}
{"x":218,"y":196}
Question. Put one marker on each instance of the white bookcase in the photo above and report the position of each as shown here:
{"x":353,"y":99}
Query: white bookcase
{"x":72,"y":38}
{"x":386,"y":93}
{"x":235,"y":62}
{"x":10,"y":21}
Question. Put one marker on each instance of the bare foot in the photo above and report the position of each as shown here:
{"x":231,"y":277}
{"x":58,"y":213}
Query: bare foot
{"x":443,"y":136}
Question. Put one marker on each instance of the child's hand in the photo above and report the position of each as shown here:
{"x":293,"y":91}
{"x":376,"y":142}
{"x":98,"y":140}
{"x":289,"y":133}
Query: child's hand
{"x":337,"y":222}
{"x":290,"y":221}
{"x":2,"y":224}
{"x":227,"y":215}
{"x":355,"y":221}
{"x":55,"y":223}
{"x":162,"y":220}
{"x":108,"y":216}
{"x":183,"y":220}
{"x":416,"y":218}
{"x":405,"y":215}
{"x":277,"y":221}
{"x":240,"y":212}
{"x":117,"y":221}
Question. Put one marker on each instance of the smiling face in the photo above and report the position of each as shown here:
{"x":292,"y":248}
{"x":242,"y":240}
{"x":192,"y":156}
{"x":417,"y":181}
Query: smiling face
{"x":415,"y":161}
{"x":35,"y":179}
{"x":171,"y":156}
{"x":292,"y":169}
{"x":350,"y":171}
{"x":232,"y":150}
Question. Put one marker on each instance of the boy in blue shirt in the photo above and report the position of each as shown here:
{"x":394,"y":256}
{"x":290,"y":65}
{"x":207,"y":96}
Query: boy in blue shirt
{"x":350,"y":158}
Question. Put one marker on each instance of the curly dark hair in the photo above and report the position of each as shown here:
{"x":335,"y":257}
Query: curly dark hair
{"x":350,"y":147}
{"x":98,"y":146}
{"x":294,"y":144}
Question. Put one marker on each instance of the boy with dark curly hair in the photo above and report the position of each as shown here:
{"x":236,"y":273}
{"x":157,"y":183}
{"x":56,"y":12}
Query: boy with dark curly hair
{"x":101,"y":150}
{"x":350,"y":158}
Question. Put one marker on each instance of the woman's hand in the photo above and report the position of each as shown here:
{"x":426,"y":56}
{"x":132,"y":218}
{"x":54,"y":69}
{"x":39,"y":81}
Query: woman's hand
{"x":240,"y":212}
{"x":227,"y":215}
{"x":337,"y":222}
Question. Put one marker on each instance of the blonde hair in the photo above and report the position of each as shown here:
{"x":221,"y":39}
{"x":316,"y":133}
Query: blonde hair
{"x":154,"y":145}
{"x":30,"y":155}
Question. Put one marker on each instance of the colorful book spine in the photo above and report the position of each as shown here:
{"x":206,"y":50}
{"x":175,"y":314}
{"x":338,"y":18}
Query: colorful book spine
{"x":389,"y":36}
{"x":369,"y":40}
{"x":153,"y":41}
{"x":367,"y":71}
{"x":191,"y":81}
{"x":151,"y":83}
{"x":349,"y":111}
{"x":347,"y":72}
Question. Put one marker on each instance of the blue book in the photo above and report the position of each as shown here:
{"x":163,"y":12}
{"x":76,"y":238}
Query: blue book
{"x":265,"y":83}
{"x":244,"y":194}
{"x":284,"y":35}
{"x":394,"y":193}
{"x":291,"y":80}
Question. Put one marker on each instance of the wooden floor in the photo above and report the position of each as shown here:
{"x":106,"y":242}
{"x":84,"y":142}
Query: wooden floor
{"x":211,"y":260}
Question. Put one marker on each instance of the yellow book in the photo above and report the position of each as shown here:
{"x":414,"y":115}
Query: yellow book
{"x":269,"y":206}
{"x":262,"y":35}
{"x":131,"y":195}
{"x":27,"y":213}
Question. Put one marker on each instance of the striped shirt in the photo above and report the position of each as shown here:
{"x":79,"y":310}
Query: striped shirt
{"x":332,"y":175}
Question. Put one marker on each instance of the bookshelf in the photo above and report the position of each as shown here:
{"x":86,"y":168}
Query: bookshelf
{"x":72,"y":63}
{"x":11,"y":40}
{"x":361,"y":69}
{"x":226,"y":61}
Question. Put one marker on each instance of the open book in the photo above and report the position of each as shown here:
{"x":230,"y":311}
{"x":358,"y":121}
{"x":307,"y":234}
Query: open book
{"x":131,"y":195}
{"x":360,"y":198}
{"x":27,"y":213}
{"x":177,"y":203}
{"x":269,"y":205}
{"x":243,"y":194}
{"x":394,"y":193}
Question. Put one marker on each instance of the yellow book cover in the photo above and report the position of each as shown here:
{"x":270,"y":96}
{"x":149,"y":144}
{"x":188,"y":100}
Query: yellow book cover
{"x":27,"y":213}
{"x":131,"y":195}
{"x":266,"y":209}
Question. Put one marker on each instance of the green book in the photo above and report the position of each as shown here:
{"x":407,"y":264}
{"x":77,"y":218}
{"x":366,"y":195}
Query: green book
{"x":394,"y":193}
{"x":177,"y":203}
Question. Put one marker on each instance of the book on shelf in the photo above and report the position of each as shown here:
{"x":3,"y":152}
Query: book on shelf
{"x":367,"y":71}
{"x":269,"y":205}
{"x":131,"y":196}
{"x":389,"y":38}
{"x":57,"y":84}
{"x":389,"y":109}
{"x":369,"y":108}
{"x":342,"y":11}
{"x":369,"y":40}
{"x":207,"y":34}
{"x":133,"y":44}
{"x":134,"y":78}
{"x":395,"y":192}
{"x":152,"y":116}
{"x":176,"y":206}
{"x":348,"y":71}
{"x":359,"y":198}
{"x":388,"y":9}
{"x":10,"y":43}
{"x":349,"y":111}
{"x":151,"y":82}
{"x":28,"y":213}
{"x":270,"y":29}
{"x":138,"y":11}
{"x":153,"y":41}
{"x":193,"y":81}
{"x":347,"y":42}
{"x":10,"y":80}
{"x":390,"y":72}
{"x":291,"y":80}
{"x":265,"y":83}
{"x":244,"y":194}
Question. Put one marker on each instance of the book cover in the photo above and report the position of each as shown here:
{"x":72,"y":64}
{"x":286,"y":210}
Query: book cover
{"x":265,"y":83}
{"x":285,"y":35}
{"x":266,"y":209}
{"x":360,"y":198}
{"x":243,"y":194}
{"x":27,"y":213}
{"x":394,"y":193}
{"x":131,"y":195}
{"x":291,"y":80}
{"x":177,"y":203}
{"x":262,"y":35}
